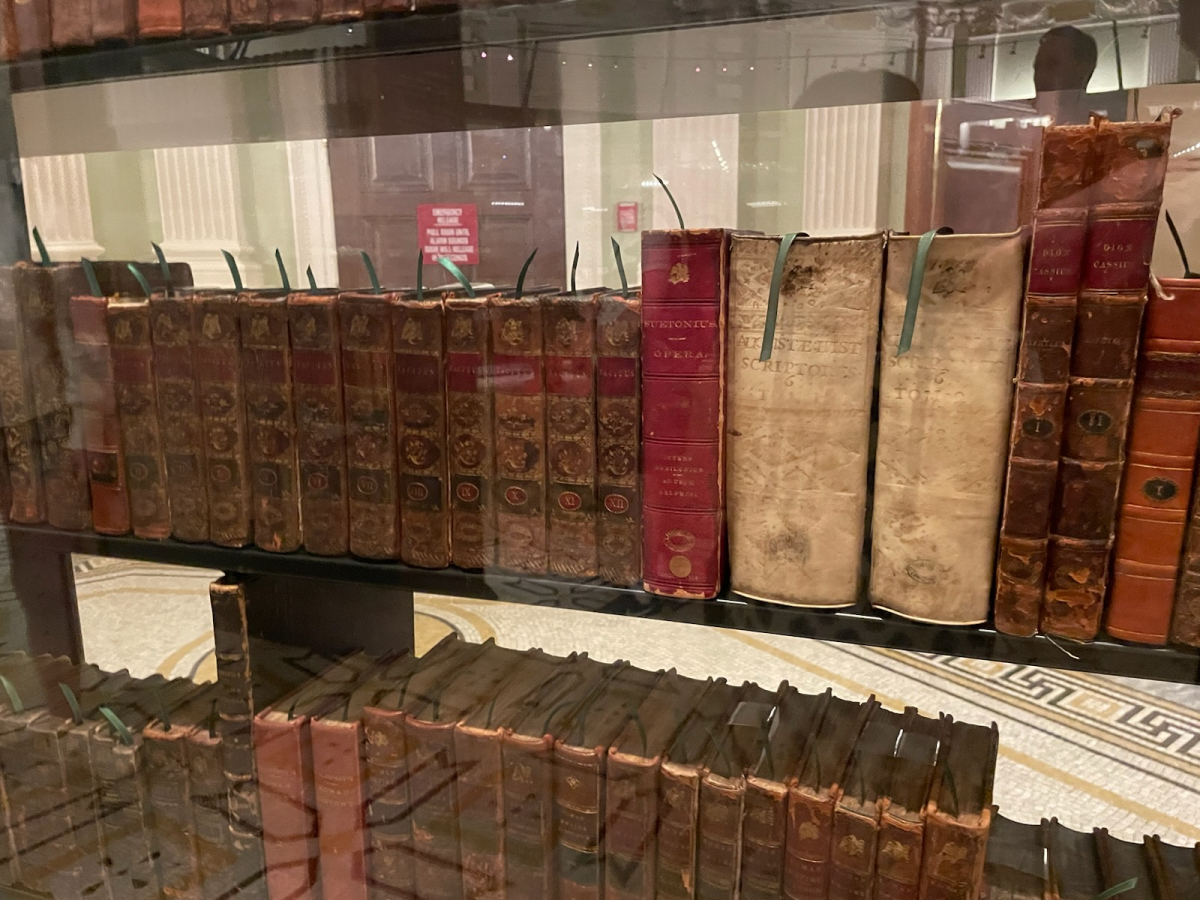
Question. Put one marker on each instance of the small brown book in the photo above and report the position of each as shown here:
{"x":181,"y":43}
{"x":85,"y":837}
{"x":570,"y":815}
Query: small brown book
{"x":1016,"y":866}
{"x":1124,"y":861}
{"x":1175,"y":870}
{"x":1073,"y":871}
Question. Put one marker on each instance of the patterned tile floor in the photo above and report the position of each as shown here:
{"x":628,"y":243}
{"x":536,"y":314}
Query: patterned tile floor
{"x":1089,"y":749}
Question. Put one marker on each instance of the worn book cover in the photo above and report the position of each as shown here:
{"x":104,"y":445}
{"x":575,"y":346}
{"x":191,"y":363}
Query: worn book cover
{"x":1017,"y":865}
{"x":18,"y":416}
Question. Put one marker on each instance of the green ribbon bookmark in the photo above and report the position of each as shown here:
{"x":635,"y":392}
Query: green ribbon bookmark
{"x":233,"y":270}
{"x":521,"y":277}
{"x":671,"y":197}
{"x":141,"y":279}
{"x":162,"y":264}
{"x":163,"y":715}
{"x":768,"y":338}
{"x":457,"y":273}
{"x":420,"y":274}
{"x":1118,"y":889}
{"x":287,"y":285}
{"x":620,"y":267}
{"x":916,"y":278}
{"x":370,"y":267}
{"x":312,"y":282}
{"x":43,"y":253}
{"x":1187,"y":270}
{"x":90,"y":271}
{"x":574,"y":266}
{"x":76,"y":712}
{"x":121,"y":729}
{"x":14,"y":699}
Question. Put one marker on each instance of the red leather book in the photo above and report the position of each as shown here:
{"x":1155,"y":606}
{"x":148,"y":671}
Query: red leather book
{"x":418,"y":344}
{"x":570,"y":348}
{"x":21,"y":447}
{"x":70,"y":23}
{"x":100,"y":423}
{"x":469,"y":433}
{"x":248,"y":15}
{"x":684,"y":282}
{"x":320,"y":421}
{"x":160,"y":18}
{"x":203,"y":18}
{"x":114,"y":20}
{"x":368,"y":385}
{"x":133,"y":377}
{"x":270,"y":420}
{"x":1043,"y":368}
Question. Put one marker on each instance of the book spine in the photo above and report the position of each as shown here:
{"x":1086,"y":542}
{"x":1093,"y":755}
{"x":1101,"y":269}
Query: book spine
{"x":341,"y":10}
{"x":418,"y":345}
{"x":172,"y":829}
{"x":30,"y":33}
{"x":808,"y":846}
{"x":114,"y":20}
{"x":337,"y":752}
{"x":898,"y":866}
{"x":70,"y":23}
{"x":764,"y":832}
{"x":124,"y":816}
{"x":1163,"y":435}
{"x":283,"y":757}
{"x":209,"y":796}
{"x":520,"y":406}
{"x":21,"y":449}
{"x":719,"y":856}
{"x":570,"y":341}
{"x":217,"y":357}
{"x":678,"y":812}
{"x":292,"y":13}
{"x":178,"y":396}
{"x":82,"y":876}
{"x":855,"y":846}
{"x":160,"y":18}
{"x":954,"y":856}
{"x":434,"y":805}
{"x":320,"y":422}
{"x":481,"y":812}
{"x":528,"y":817}
{"x":271,"y":422}
{"x":370,"y":435}
{"x":683,"y":409}
{"x":578,"y":822}
{"x":631,"y":828}
{"x":1185,"y":617}
{"x":1043,"y":368}
{"x":34,"y":794}
{"x":133,"y":377}
{"x":101,"y":425}
{"x":470,"y":431}
{"x":248,"y":15}
{"x":618,"y":440}
{"x":391,"y":869}
{"x":203,"y":18}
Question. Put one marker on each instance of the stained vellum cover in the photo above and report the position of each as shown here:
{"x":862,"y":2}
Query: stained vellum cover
{"x":798,"y":424}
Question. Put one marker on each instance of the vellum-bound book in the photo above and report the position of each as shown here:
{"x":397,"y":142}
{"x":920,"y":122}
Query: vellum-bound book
{"x":798,"y":423}
{"x":944,"y":408}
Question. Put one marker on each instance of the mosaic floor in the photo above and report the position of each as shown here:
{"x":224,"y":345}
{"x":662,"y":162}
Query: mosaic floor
{"x":1088,"y":749}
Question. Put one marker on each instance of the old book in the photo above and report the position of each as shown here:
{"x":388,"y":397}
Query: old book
{"x":959,"y":814}
{"x":27,"y":29}
{"x":684,"y":282}
{"x":618,"y":438}
{"x":320,"y":420}
{"x":1163,"y":434}
{"x":1016,"y":866}
{"x":130,"y":345}
{"x":570,"y":357}
{"x":177,"y":390}
{"x":419,"y":349}
{"x":367,"y":385}
{"x":519,"y":399}
{"x":114,"y":20}
{"x":1175,"y":870}
{"x":216,"y":353}
{"x":248,"y":15}
{"x":292,"y":13}
{"x":203,"y":18}
{"x":1124,"y":861}
{"x":208,"y":791}
{"x":631,"y":785}
{"x":1043,"y":366}
{"x":814,"y":789}
{"x":797,"y":510}
{"x":270,"y":420}
{"x":1073,"y":868}
{"x":944,"y":415}
{"x":18,"y":417}
{"x":70,"y":23}
{"x":1130,"y":167}
{"x":159,"y":19}
{"x":469,"y":433}
{"x":341,"y":10}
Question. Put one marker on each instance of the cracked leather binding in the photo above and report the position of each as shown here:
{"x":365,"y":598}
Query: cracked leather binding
{"x":17,"y":412}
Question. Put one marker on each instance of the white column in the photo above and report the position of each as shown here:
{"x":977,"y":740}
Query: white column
{"x":312,"y":210}
{"x":698,"y":159}
{"x":586,"y":220}
{"x":841,"y":169}
{"x":58,"y":205}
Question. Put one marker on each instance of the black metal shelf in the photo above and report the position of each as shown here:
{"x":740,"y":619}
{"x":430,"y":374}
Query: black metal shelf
{"x":861,"y":625}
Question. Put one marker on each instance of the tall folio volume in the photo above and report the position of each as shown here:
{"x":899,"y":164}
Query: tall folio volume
{"x":684,"y":276}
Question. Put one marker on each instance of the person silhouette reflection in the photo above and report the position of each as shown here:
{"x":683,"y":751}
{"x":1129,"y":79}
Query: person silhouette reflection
{"x":1065,"y":61}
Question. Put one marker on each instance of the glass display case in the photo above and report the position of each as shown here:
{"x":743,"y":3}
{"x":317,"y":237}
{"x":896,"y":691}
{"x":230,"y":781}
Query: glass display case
{"x":845,"y":354}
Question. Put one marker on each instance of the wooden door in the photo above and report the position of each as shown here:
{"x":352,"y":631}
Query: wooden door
{"x":513,"y":176}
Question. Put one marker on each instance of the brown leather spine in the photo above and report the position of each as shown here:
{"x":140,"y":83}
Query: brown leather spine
{"x":579,"y":776}
{"x":528,"y":816}
{"x":337,"y":752}
{"x":678,"y":811}
{"x":520,"y":406}
{"x":100,"y":423}
{"x":203,"y":18}
{"x":618,"y":439}
{"x":292,"y":13}
{"x":418,"y":344}
{"x":480,"y":811}
{"x":133,"y":378}
{"x":160,"y":18}
{"x":70,"y":23}
{"x":391,"y":869}
{"x":435,"y":816}
{"x":210,"y":813}
{"x":631,"y":826}
{"x":898,"y":865}
{"x":570,"y":339}
{"x":178,"y":397}
{"x":283,"y":756}
{"x":1163,"y":435}
{"x":271,"y":421}
{"x":114,"y":20}
{"x":855,"y":846}
{"x":808,"y":855}
{"x":320,"y":422}
{"x":248,"y":15}
{"x":28,"y":29}
{"x":341,"y":10}
{"x":28,"y":502}
{"x":217,"y":358}
{"x":169,"y":794}
{"x":955,"y":852}
{"x":469,"y":432}
{"x":719,"y":855}
{"x":367,"y":385}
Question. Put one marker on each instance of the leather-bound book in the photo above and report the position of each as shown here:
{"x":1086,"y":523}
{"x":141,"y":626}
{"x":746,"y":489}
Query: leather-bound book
{"x":248,"y":15}
{"x":130,"y":345}
{"x":204,"y":18}
{"x":292,"y":13}
{"x":570,"y":348}
{"x":959,"y":814}
{"x":27,"y":30}
{"x":1043,"y":366}
{"x":469,"y":433}
{"x":341,"y":10}
{"x":1073,"y":868}
{"x":17,"y":414}
{"x":519,"y":399}
{"x":814,"y":789}
{"x":320,"y":420}
{"x":70,"y":24}
{"x":208,"y":791}
{"x":684,"y":283}
{"x":270,"y":420}
{"x":159,"y":19}
{"x":114,"y":20}
{"x":419,"y":349}
{"x":791,"y":736}
{"x":1130,"y":167}
{"x":797,"y":510}
{"x":1175,"y":870}
{"x":216,"y":354}
{"x":1124,"y":861}
{"x":367,"y":385}
{"x":682,"y":770}
{"x":631,"y":785}
{"x":1016,"y":867}
{"x":618,"y":438}
{"x":1164,"y":430}
{"x":920,"y":755}
{"x":945,"y":408}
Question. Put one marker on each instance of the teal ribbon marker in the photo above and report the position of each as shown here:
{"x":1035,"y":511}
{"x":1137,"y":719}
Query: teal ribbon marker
{"x":121,"y":729}
{"x":89,"y":270}
{"x":76,"y":712}
{"x":521,"y":277}
{"x":312,"y":282}
{"x":768,"y":338}
{"x":233,"y":270}
{"x":370,"y":267}
{"x":162,"y":264}
{"x":14,"y":699}
{"x":916,"y":279}
{"x":1117,"y":889}
{"x":43,"y":253}
{"x":574,"y":266}
{"x":671,"y":197}
{"x":141,"y":279}
{"x":458,"y":274}
{"x":287,"y":285}
{"x":620,"y":267}
{"x":420,"y":274}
